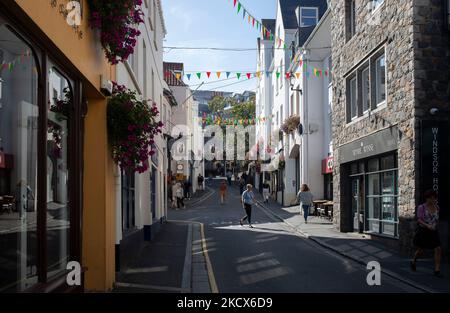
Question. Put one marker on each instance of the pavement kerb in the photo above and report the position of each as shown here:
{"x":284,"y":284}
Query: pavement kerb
{"x":209,"y":268}
{"x":344,"y":254}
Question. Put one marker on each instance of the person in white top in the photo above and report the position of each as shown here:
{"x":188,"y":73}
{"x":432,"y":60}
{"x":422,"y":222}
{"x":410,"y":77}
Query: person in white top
{"x":305,"y":197}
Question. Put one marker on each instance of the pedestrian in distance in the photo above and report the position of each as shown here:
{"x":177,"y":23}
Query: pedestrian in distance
{"x":241,"y":185}
{"x":223,"y":191}
{"x":305,"y":198}
{"x":266,"y":192}
{"x":200,"y":180}
{"x":180,"y":196}
{"x":229,"y":176}
{"x":187,"y":189}
{"x":247,"y":200}
{"x":427,"y":233}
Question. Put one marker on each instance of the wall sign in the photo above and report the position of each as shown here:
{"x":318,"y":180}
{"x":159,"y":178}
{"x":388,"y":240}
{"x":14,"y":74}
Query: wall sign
{"x":434,"y":161}
{"x":72,"y":12}
{"x":380,"y":142}
{"x":328,"y":165}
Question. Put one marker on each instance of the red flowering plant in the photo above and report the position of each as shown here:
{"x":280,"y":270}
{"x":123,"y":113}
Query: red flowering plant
{"x":118,"y":22}
{"x":132,"y":128}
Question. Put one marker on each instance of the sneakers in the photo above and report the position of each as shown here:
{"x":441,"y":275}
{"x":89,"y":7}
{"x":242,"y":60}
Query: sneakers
{"x":251,"y":226}
{"x":242,"y":224}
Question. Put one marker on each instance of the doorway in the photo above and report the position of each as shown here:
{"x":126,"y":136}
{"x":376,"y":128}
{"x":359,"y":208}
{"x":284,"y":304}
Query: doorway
{"x":357,"y":203}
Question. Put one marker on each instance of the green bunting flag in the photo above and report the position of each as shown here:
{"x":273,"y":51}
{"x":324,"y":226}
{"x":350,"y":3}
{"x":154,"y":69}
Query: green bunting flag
{"x":238,"y":75}
{"x":239,"y":7}
{"x":199,"y":75}
{"x":278,"y":74}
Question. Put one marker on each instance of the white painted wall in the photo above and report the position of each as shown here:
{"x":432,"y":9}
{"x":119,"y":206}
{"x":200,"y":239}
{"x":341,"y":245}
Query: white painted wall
{"x":145,"y":75}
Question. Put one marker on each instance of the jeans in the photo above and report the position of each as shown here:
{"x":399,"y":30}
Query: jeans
{"x":306,"y":211}
{"x":248,"y":211}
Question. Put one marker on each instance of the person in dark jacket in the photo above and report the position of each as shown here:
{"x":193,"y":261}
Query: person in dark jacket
{"x":427,"y":234}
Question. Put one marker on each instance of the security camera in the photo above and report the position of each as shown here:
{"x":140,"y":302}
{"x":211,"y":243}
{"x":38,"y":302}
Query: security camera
{"x":434,"y":111}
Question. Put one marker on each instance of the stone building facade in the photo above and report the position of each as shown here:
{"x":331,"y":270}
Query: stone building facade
{"x":391,"y":65}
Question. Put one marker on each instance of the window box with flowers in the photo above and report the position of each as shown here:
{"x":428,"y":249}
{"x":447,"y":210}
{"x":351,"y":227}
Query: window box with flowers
{"x":118,"y":22}
{"x":291,"y":124}
{"x":132,"y":127}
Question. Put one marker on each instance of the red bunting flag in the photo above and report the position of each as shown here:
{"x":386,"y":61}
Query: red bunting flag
{"x":208,"y":74}
{"x":249,"y":75}
{"x":235,"y":1}
{"x":288,"y":75}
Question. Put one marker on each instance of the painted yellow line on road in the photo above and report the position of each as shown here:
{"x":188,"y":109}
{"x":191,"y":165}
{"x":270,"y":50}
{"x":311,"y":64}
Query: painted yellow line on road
{"x":209,"y":267}
{"x":212,"y":278}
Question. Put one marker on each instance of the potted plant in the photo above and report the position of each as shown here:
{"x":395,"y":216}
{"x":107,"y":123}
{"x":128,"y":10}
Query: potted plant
{"x":132,"y":127}
{"x":118,"y":22}
{"x":290,"y":124}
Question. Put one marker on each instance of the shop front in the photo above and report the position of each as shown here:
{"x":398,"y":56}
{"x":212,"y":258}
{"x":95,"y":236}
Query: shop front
{"x":327,"y":172}
{"x":40,"y":122}
{"x":371,"y":195}
{"x":52,"y":152}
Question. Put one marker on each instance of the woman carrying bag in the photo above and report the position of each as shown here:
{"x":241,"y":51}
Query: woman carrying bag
{"x":305,"y":197}
{"x":427,"y":234}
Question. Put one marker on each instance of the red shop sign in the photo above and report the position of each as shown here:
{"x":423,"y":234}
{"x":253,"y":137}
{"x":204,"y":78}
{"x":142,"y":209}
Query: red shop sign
{"x":327,"y":165}
{"x":5,"y":160}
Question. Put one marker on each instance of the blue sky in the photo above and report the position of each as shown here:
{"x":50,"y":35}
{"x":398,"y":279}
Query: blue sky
{"x":214,"y":23}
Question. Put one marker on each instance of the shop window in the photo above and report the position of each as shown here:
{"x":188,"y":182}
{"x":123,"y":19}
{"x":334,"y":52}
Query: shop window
{"x":18,"y":162}
{"x":128,"y":201}
{"x":58,"y":210}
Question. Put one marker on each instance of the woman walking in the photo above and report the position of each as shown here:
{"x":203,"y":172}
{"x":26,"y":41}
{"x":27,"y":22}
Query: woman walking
{"x":180,"y":196}
{"x":222,"y":191}
{"x":305,"y":197}
{"x":427,"y":234}
{"x":247,"y":200}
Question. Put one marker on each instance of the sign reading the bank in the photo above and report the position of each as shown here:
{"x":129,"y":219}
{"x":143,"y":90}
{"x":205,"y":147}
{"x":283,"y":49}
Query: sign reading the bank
{"x":378,"y":143}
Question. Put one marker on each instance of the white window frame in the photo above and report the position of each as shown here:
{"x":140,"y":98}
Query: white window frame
{"x":365,"y":97}
{"x":376,"y":4}
{"x":377,"y":81}
{"x":301,"y":15}
{"x":353,"y":89}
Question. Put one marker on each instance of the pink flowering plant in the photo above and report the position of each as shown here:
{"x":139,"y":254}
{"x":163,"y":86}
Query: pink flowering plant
{"x":118,"y":22}
{"x":132,"y":127}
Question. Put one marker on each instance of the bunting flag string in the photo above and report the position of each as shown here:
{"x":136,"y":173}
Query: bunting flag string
{"x":12,"y":64}
{"x":303,"y":69}
{"x":216,"y":120}
{"x":266,"y":33}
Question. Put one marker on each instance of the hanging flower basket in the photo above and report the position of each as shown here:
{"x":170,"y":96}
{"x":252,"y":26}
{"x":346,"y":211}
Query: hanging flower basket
{"x":62,"y":109}
{"x":132,"y":127}
{"x":291,"y":124}
{"x":118,"y":22}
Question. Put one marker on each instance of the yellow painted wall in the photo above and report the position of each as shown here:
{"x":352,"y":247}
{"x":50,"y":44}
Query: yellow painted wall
{"x":86,"y":54}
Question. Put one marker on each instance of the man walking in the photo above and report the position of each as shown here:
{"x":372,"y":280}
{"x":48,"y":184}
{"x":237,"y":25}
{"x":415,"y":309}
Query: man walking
{"x":247,"y":200}
{"x":200,"y":180}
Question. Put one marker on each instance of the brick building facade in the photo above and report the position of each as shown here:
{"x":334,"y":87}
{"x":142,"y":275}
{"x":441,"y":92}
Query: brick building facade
{"x":391,"y":73}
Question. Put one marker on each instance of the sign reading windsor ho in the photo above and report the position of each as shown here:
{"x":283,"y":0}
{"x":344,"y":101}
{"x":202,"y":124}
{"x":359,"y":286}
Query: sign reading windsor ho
{"x":434,"y":162}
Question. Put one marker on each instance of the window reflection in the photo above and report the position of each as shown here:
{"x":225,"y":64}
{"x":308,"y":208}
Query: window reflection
{"x":58,"y":211}
{"x":18,"y":162}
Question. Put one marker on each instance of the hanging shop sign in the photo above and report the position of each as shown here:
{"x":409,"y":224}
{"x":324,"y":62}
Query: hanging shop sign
{"x":378,"y":143}
{"x":434,"y":161}
{"x":327,"y":166}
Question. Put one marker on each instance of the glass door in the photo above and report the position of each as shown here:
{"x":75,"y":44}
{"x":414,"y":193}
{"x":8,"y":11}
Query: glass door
{"x":357,"y":198}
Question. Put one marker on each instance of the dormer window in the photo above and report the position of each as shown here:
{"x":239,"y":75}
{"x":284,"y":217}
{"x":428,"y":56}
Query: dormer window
{"x":309,"y":16}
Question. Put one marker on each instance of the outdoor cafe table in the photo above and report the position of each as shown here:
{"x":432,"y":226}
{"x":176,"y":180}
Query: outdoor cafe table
{"x":317,"y":204}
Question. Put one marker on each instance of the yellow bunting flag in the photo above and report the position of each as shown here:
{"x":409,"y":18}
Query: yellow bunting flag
{"x":298,"y":75}
{"x":218,"y":74}
{"x":178,"y":76}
